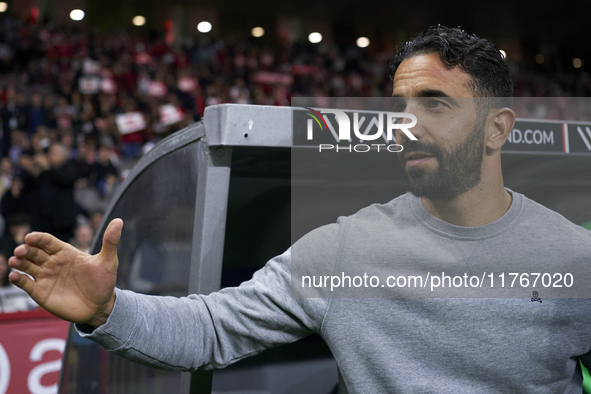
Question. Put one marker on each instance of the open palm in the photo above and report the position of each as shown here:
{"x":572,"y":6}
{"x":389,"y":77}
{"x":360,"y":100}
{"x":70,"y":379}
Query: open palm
{"x":71,"y":284}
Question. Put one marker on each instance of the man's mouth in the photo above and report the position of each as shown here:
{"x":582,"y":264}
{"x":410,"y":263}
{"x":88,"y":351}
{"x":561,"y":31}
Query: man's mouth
{"x":416,"y":158}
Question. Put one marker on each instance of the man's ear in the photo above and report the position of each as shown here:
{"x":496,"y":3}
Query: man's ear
{"x":499,"y":124}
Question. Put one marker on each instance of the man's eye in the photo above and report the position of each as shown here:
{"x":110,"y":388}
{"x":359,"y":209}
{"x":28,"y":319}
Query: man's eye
{"x":399,"y":107}
{"x":434,"y":104}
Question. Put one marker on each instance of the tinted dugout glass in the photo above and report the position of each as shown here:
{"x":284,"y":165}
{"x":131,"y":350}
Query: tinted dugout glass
{"x":158,"y":210}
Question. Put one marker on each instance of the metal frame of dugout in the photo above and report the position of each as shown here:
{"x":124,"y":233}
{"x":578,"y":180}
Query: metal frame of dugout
{"x":210,"y":204}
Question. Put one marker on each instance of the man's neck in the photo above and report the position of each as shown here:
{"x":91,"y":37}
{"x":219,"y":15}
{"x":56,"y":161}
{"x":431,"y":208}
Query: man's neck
{"x":476,"y":207}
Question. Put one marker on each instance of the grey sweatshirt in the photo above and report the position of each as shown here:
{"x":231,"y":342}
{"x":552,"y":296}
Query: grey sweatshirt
{"x":383,"y":343}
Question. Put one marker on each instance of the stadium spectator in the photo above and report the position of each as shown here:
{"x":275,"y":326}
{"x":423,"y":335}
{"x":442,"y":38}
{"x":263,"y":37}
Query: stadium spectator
{"x":95,"y":220}
{"x":36,"y":113}
{"x":19,"y":225}
{"x":6,"y":174}
{"x":83,"y":237}
{"x":14,"y":201}
{"x":104,"y":172}
{"x":9,"y":115}
{"x":55,"y":185}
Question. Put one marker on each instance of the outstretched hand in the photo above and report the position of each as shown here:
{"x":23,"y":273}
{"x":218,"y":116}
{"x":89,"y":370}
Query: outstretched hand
{"x":71,"y":284}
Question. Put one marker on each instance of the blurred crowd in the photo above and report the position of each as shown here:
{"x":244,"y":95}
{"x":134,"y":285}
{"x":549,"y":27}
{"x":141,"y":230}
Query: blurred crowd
{"x":78,"y":109}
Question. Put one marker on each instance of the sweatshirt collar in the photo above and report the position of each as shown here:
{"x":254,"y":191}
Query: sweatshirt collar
{"x":480,"y":232}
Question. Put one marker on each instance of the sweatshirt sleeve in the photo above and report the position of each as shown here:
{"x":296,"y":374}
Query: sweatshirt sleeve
{"x":215,"y":330}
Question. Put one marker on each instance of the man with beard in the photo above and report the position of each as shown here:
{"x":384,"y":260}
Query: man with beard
{"x":459,"y":168}
{"x":458,"y":216}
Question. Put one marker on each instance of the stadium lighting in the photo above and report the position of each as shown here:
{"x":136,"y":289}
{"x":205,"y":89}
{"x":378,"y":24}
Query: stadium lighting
{"x":315,"y":38}
{"x":257,"y":32}
{"x":3,"y":6}
{"x":204,"y":27}
{"x":77,"y":15}
{"x":504,"y":54}
{"x":577,"y":63}
{"x":363,"y":42}
{"x":138,"y":20}
{"x":539,"y":58}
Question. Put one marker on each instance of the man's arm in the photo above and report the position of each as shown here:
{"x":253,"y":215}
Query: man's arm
{"x":210,"y":331}
{"x":176,"y":333}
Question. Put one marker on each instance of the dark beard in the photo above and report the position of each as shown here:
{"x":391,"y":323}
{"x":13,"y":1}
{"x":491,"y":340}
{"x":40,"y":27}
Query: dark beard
{"x":459,"y":169}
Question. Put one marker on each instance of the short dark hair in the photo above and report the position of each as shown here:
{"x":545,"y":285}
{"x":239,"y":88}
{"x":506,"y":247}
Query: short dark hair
{"x":476,"y":56}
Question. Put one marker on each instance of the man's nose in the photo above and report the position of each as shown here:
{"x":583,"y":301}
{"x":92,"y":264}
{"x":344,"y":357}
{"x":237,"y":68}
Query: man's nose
{"x":417,"y":130}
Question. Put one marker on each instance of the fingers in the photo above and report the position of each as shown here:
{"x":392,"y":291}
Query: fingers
{"x":111,"y":239}
{"x":31,"y":253}
{"x":45,"y":241}
{"x":25,"y":266}
{"x":22,"y":281}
